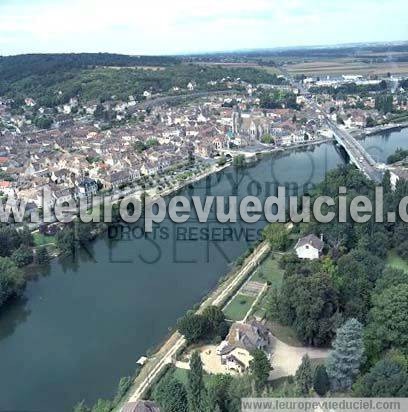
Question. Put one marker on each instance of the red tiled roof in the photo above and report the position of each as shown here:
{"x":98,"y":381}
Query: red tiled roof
{"x":5,"y":184}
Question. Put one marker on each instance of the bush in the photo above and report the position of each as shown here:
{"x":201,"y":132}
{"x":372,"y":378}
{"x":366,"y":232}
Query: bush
{"x":22,"y":256}
{"x":11,"y":280}
{"x":42,"y":256}
{"x":321,"y":383}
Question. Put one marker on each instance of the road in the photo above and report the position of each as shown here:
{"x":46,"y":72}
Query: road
{"x":360,"y":157}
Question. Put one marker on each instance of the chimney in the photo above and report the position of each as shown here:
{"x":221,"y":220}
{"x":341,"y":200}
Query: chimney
{"x":237,"y":334}
{"x":321,"y":237}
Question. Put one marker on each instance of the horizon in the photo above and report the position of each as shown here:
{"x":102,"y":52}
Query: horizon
{"x":231,"y":51}
{"x":36,"y":26}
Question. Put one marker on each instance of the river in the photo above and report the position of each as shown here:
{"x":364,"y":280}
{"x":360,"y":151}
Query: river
{"x":83,"y":323}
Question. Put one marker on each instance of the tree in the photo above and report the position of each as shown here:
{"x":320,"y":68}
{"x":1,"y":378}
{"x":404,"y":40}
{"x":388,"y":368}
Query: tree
{"x":387,"y":378}
{"x":391,"y":277}
{"x":277,"y":235}
{"x":402,"y":250}
{"x":240,"y":387}
{"x":81,"y":407}
{"x":260,"y":368}
{"x":99,"y":112}
{"x":42,"y":255}
{"x":355,"y":278}
{"x":65,"y":240}
{"x":26,"y":237}
{"x":83,"y":232}
{"x":12,"y":280}
{"x":400,"y":154}
{"x":9,"y":240}
{"x":193,"y":326}
{"x":386,"y":182}
{"x":304,"y":377}
{"x":171,"y":395}
{"x":321,"y":383}
{"x":370,"y":122}
{"x":239,"y":161}
{"x":43,"y":122}
{"x":222,"y":160}
{"x":195,"y":384}
{"x":388,"y":326}
{"x":344,"y":361}
{"x":267,"y":139}
{"x":102,"y":406}
{"x":223,"y":329}
{"x":217,"y":389}
{"x":215,"y":316}
{"x":23,"y":256}
{"x":384,"y":103}
{"x":308,"y":302}
{"x":123,"y":387}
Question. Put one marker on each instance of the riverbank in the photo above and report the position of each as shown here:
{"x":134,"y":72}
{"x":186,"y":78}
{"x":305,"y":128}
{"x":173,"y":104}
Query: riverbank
{"x":372,"y":131}
{"x":251,"y":151}
{"x":156,"y":364}
{"x":121,"y":296}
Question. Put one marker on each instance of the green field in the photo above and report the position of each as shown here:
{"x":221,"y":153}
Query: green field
{"x":182,"y":375}
{"x":285,"y":334}
{"x":238,"y":307}
{"x":397,"y":262}
{"x":269,"y":271}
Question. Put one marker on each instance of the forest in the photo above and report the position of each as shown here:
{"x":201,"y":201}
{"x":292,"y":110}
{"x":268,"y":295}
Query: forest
{"x":54,"y":79}
{"x":355,"y":297}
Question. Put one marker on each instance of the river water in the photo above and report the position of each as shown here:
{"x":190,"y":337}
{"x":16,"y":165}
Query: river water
{"x":83,"y":323}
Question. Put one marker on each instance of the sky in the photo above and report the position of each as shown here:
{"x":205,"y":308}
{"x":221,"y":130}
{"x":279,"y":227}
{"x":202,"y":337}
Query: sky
{"x":190,"y":26}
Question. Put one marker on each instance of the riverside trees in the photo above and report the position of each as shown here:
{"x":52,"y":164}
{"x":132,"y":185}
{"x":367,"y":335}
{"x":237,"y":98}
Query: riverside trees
{"x":11,"y":280}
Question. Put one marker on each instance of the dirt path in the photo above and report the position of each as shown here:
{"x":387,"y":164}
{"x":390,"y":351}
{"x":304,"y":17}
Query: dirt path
{"x":286,"y":359}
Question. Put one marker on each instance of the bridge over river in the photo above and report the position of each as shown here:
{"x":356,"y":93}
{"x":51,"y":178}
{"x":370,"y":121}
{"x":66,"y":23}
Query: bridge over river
{"x":356,"y":152}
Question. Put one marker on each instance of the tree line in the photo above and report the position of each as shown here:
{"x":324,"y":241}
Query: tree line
{"x":351,"y":298}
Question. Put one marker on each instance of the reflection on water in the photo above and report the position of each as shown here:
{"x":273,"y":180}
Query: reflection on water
{"x":383,"y":145}
{"x":12,"y":316}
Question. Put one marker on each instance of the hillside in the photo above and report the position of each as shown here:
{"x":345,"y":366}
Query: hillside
{"x":53,"y":79}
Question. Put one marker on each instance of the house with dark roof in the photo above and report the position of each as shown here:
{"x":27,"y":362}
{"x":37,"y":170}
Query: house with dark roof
{"x":242,"y":339}
{"x":309,"y":247}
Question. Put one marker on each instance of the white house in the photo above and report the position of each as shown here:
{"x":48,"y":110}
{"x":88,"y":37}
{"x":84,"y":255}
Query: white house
{"x":309,"y":247}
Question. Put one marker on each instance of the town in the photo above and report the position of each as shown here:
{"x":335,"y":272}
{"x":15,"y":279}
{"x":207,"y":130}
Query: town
{"x":78,"y":150}
{"x":162,"y":125}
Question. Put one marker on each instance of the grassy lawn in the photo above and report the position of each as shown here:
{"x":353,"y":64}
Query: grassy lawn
{"x":238,"y":307}
{"x":285,"y":334}
{"x":40,"y":239}
{"x":182,"y":375}
{"x":397,"y":262}
{"x":269,"y":271}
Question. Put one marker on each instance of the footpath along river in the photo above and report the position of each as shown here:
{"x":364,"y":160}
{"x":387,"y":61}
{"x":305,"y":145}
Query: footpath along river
{"x":83,"y":323}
